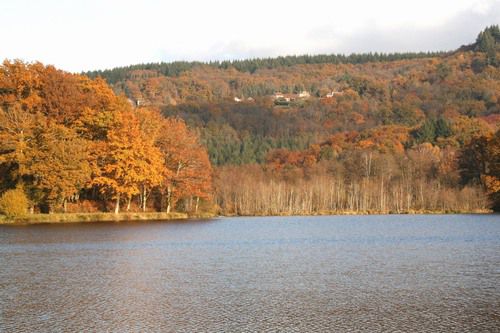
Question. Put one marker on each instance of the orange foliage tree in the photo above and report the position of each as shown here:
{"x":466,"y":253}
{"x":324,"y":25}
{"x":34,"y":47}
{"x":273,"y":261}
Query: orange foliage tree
{"x":56,"y":164}
{"x":188,"y":170}
{"x":129,"y":161}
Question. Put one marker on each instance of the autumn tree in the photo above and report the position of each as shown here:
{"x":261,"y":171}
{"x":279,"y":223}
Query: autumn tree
{"x":472,"y":160}
{"x":19,"y":84}
{"x":188,"y":170}
{"x":150,"y":123}
{"x":16,"y":130}
{"x":491,"y":177}
{"x":50,"y":159}
{"x":128,"y":161}
{"x":56,"y":164}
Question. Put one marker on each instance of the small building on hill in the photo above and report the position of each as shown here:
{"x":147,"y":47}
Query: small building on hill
{"x":304,"y":94}
{"x":334,"y":93}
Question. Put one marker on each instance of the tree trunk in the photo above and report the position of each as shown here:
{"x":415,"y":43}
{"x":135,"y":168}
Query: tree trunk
{"x":65,"y":205}
{"x":197,"y":204}
{"x":117,"y":205}
{"x":144,"y":197}
{"x":129,"y":201}
{"x":169,"y":198}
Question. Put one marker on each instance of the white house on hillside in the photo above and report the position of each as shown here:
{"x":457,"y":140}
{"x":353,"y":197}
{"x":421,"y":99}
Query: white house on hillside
{"x":334,"y":93}
{"x":304,"y":94}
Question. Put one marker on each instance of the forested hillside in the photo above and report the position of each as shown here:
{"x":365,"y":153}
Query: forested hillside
{"x":289,"y":135}
{"x":400,"y":92}
{"x":385,"y":129}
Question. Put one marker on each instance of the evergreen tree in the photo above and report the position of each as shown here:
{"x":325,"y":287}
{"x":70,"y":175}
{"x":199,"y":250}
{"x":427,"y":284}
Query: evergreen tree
{"x":486,"y":43}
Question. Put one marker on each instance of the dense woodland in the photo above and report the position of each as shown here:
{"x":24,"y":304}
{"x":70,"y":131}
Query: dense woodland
{"x":376,"y":133}
{"x":69,"y":143}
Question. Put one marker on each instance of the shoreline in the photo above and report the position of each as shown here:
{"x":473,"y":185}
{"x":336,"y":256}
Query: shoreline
{"x":65,"y":218}
{"x":372,"y":212}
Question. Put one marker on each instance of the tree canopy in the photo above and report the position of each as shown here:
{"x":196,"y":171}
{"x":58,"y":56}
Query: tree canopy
{"x":64,"y":136}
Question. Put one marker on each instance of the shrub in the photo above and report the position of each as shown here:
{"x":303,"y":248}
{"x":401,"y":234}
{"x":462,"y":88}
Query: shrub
{"x":14,"y":203}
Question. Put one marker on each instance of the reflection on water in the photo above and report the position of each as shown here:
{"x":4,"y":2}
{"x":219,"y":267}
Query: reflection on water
{"x":376,"y":273}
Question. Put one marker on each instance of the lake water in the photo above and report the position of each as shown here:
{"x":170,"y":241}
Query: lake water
{"x":294,"y":274}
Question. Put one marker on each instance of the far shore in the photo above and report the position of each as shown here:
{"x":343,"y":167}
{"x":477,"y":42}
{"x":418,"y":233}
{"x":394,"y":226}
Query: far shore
{"x":162,"y":216}
{"x":371,"y":212}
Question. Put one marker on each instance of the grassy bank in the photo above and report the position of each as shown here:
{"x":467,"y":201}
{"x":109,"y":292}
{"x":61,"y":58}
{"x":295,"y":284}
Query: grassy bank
{"x":93,"y":217}
{"x":161,"y":216}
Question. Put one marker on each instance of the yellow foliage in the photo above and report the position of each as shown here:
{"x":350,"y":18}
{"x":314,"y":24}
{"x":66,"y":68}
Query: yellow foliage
{"x":14,"y":203}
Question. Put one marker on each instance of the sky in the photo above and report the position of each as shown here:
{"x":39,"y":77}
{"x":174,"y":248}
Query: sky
{"x":81,"y":35}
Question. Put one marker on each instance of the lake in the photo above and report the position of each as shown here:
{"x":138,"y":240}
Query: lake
{"x":295,"y":274}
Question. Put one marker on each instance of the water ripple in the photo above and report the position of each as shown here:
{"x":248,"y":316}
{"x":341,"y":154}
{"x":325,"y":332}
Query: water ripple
{"x":323,"y":274}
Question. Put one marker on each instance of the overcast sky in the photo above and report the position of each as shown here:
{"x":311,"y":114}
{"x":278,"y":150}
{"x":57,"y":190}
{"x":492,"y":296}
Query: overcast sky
{"x":78,"y":35}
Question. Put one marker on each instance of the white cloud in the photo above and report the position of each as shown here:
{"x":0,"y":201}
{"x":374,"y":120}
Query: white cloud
{"x":90,"y":34}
